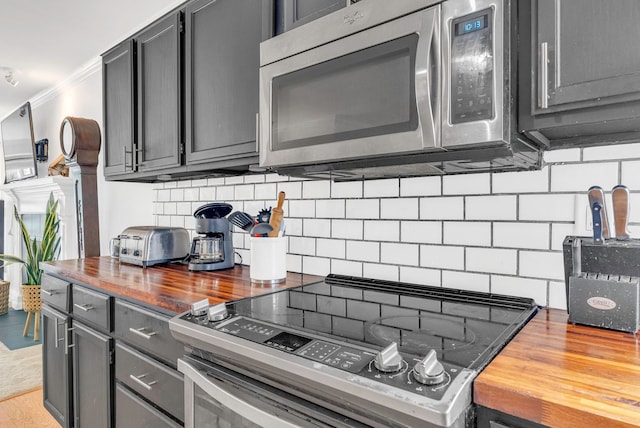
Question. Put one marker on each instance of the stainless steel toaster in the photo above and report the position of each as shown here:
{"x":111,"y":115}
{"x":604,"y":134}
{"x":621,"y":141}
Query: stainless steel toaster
{"x":150,"y":245}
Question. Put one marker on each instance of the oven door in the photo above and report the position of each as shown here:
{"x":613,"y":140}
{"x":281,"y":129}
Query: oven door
{"x":344,"y":99}
{"x":216,"y":397}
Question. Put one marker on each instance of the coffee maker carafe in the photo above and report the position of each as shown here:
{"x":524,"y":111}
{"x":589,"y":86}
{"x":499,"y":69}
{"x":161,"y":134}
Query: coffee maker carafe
{"x":212,"y":250}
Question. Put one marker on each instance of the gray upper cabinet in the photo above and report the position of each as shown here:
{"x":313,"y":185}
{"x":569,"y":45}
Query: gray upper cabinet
{"x":222,"y":49}
{"x":159,"y":102}
{"x":118,"y":79}
{"x":584,"y":80}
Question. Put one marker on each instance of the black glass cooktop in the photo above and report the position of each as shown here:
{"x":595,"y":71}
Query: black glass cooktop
{"x":464,"y":328}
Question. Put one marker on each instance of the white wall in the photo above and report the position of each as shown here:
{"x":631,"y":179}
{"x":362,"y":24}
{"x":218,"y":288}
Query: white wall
{"x":120,"y":204}
{"x":498,"y":233}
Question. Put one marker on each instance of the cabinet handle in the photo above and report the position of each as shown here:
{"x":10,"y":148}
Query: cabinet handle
{"x":67,"y":345}
{"x":139,"y":332}
{"x":86,"y":307}
{"x":56,"y":338}
{"x":543,"y":85}
{"x":124,"y":159}
{"x":47,"y":292}
{"x":147,"y":386}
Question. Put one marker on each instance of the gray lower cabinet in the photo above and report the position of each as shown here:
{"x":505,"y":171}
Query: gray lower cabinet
{"x":132,"y":411}
{"x":56,"y":365}
{"x":584,"y":80}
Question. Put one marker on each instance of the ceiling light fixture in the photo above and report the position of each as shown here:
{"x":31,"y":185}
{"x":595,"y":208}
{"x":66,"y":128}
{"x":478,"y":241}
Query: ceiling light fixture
{"x":9,"y":76}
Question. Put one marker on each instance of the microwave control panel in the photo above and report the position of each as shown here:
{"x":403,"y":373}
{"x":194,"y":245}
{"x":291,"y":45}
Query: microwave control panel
{"x":472,"y":64}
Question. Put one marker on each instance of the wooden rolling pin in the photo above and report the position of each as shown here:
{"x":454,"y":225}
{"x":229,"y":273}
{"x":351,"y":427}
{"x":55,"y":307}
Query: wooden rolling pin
{"x":276,"y":216}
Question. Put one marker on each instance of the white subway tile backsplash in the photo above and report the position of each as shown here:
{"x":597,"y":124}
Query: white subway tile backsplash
{"x":224,"y":193}
{"x":399,"y":208}
{"x":442,"y":257}
{"x":559,"y":231}
{"x":301,"y":245}
{"x":491,"y":207}
{"x":541,"y":264}
{"x":239,"y":179}
{"x":208,"y":194}
{"x":563,"y":155}
{"x":399,"y":254}
{"x":171,"y":185}
{"x":347,"y":229}
{"x":293,"y":226}
{"x":557,"y":295}
{"x":547,"y":207}
{"x":316,"y":266}
{"x":184,"y":183}
{"x":389,"y":188}
{"x":379,"y":271}
{"x":634,"y":208}
{"x":176,"y":221}
{"x":256,"y":178}
{"x":244,"y":192}
{"x":521,"y":182}
{"x":170,"y":208}
{"x":164,"y":195}
{"x":363,"y":251}
{"x":421,"y":186}
{"x":192,"y":194}
{"x":183,"y":208}
{"x":158,"y":208}
{"x":442,"y":208}
{"x":330,"y":208}
{"x":466,"y":184}
{"x":293,"y":189}
{"x":317,"y":227}
{"x":535,"y":289}
{"x":467,"y":233}
{"x":164,"y":220}
{"x":381,"y":230}
{"x":521,"y":235}
{"x":302,"y":208}
{"x":611,"y":152}
{"x":266,"y":191}
{"x":363,"y":208}
{"x":579,"y":177}
{"x":492,"y":260}
{"x":294,"y":263}
{"x":421,"y":232}
{"x":347,"y":189}
{"x":346,"y":267}
{"x":190,"y":222}
{"x":218,"y":181}
{"x":202,"y":182}
{"x":422,"y":276}
{"x":465,"y":281}
{"x":630,"y":176}
{"x":313,"y":189}
{"x":275,"y":178}
{"x":333,"y":248}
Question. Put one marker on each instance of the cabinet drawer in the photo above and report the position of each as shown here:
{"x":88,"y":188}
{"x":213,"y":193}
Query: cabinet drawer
{"x":55,"y":292}
{"x":154,"y":381}
{"x":92,"y":307}
{"x":132,"y":411}
{"x":148,"y":331}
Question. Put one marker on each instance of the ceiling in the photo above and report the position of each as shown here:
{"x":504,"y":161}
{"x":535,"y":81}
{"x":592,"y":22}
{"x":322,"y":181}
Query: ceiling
{"x":45,"y":41}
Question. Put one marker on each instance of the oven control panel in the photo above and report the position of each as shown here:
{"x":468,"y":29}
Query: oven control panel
{"x":340,"y":356}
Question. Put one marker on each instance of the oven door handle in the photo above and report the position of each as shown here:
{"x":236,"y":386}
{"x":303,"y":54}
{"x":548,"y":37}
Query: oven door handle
{"x":227,"y":399}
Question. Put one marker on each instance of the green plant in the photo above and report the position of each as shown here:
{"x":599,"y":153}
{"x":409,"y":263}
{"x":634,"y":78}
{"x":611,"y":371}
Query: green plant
{"x":47,"y":249}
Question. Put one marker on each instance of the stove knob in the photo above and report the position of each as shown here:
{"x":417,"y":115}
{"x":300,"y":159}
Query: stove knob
{"x":217,"y":312}
{"x":389,"y":359}
{"x":199,"y":308}
{"x":429,"y":371}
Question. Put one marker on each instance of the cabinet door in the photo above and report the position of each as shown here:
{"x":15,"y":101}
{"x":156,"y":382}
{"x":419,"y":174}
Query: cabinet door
{"x":222,"y":64}
{"x":293,"y":13}
{"x":585,"y":53}
{"x":118,"y":80}
{"x":92,"y":377}
{"x":56,"y":382}
{"x":158,"y":60}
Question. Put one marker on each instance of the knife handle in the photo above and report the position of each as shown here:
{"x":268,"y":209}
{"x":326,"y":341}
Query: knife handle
{"x":620,"y":197}
{"x":596,"y":194}
{"x":596,"y":212}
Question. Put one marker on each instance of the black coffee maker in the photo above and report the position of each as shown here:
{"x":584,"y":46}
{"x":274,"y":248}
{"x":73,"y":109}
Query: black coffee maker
{"x":214,"y":249}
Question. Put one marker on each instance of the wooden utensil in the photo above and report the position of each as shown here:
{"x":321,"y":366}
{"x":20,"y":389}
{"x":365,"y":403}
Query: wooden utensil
{"x":620,"y":196}
{"x":276,"y":216}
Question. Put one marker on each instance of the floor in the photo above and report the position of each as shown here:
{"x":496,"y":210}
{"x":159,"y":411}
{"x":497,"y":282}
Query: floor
{"x":25,"y":411}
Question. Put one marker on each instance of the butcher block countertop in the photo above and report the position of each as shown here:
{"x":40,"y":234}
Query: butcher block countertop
{"x":171,"y":288}
{"x":564,"y":375}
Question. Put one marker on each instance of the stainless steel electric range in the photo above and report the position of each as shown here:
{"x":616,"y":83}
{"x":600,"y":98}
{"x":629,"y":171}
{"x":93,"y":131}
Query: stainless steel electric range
{"x":343,"y":352}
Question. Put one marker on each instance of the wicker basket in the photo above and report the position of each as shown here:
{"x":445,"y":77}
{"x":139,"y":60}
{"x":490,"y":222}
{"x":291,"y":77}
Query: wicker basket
{"x":31,"y":300}
{"x":4,"y":297}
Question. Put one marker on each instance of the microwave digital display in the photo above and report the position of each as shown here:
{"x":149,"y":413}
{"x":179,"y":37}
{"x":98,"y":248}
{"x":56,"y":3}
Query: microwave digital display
{"x":471,"y":25}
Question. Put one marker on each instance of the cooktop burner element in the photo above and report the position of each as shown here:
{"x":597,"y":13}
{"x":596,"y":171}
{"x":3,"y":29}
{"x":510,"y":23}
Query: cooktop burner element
{"x":358,"y":343}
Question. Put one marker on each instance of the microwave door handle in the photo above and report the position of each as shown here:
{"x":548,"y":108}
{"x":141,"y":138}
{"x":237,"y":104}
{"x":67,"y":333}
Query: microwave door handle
{"x":227,"y":399}
{"x":427,"y":77}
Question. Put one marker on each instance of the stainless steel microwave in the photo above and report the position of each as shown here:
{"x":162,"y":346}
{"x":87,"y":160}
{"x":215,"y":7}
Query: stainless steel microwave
{"x":394,"y":88}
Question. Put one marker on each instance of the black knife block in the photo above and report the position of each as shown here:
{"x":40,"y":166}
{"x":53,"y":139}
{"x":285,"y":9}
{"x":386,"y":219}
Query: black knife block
{"x":602,"y":282}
